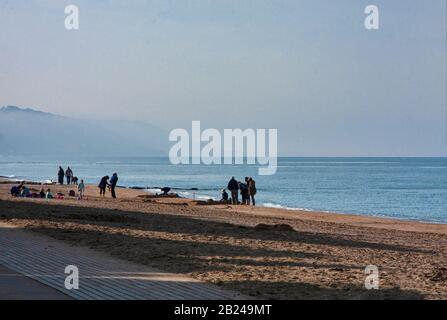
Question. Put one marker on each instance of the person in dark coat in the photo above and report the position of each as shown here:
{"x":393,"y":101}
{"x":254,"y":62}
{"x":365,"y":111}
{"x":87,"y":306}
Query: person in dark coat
{"x":113,"y":181}
{"x":60,"y":175}
{"x":233,"y":187}
{"x":244,"y":192}
{"x":15,"y":191}
{"x":251,"y":184}
{"x":103,"y":185}
{"x":69,"y":175}
{"x":165,"y":190}
{"x":225,"y":196}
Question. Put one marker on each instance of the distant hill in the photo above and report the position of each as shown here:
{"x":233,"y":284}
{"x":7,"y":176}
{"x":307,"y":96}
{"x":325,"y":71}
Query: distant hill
{"x":25,"y":131}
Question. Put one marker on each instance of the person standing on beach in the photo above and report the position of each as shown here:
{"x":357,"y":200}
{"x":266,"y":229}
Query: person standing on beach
{"x":113,"y":182}
{"x":233,"y":187}
{"x":103,"y":185}
{"x":251,"y":190}
{"x":69,"y":175}
{"x":81,"y":188}
{"x":60,"y":175}
{"x":244,"y":192}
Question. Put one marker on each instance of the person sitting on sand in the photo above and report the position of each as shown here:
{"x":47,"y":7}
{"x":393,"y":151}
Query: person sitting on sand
{"x":224,"y":195}
{"x":81,"y":188}
{"x":49,"y":195}
{"x":233,"y":187}
{"x":15,"y":191}
{"x":113,"y":182}
{"x":25,"y":192}
{"x":244,"y":192}
{"x":251,"y":190}
{"x":103,"y":185}
{"x":69,"y":175}
{"x":42,"y":193}
{"x":60,"y":175}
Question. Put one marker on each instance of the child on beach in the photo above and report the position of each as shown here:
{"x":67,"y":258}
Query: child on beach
{"x":81,"y":188}
{"x":49,"y":195}
{"x":25,"y":192}
{"x":225,"y":196}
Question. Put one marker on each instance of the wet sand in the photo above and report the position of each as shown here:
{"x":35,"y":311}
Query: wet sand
{"x":262,"y":252}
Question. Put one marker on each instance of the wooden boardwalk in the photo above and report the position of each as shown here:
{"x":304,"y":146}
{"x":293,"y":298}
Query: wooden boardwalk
{"x":101,"y":277}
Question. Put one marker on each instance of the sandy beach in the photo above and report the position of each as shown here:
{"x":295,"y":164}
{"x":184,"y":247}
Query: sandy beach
{"x":261,"y":252}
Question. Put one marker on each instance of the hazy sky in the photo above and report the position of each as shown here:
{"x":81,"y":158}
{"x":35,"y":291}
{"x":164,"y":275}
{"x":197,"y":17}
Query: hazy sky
{"x":308,"y":68}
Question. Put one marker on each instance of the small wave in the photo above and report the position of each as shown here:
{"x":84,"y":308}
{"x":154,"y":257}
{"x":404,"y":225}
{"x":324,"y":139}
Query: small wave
{"x":278,"y":206}
{"x":8,"y":176}
{"x":193,"y":195}
{"x":184,"y":194}
{"x":153,"y":191}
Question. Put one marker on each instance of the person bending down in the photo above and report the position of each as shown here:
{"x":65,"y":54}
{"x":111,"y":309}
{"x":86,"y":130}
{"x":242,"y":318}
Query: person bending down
{"x":103,"y":185}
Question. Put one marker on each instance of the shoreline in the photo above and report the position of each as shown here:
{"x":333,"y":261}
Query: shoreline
{"x":280,"y":210}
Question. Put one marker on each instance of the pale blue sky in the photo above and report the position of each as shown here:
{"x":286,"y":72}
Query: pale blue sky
{"x":308,"y":68}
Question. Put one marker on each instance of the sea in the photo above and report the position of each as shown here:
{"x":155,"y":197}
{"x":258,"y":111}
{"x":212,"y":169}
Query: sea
{"x":403,"y":188}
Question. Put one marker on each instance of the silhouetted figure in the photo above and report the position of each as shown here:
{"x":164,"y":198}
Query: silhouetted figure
{"x":251,"y":190}
{"x":113,"y":182}
{"x":15,"y":191}
{"x":165,"y":190}
{"x":81,"y":188}
{"x":60,"y":175}
{"x":103,"y":185}
{"x":225,"y":196}
{"x":244,"y":192}
{"x":233,"y":187}
{"x":69,"y":175}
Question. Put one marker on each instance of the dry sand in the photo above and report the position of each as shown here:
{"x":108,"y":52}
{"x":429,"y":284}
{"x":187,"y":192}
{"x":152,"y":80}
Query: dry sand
{"x":308,"y":255}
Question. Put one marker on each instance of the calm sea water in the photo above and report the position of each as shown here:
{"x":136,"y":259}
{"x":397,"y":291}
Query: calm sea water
{"x":408,"y":188}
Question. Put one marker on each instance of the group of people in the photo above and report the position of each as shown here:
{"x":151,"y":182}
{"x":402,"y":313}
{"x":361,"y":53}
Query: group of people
{"x":23,"y":191}
{"x":247,"y":191}
{"x":68,"y":174}
{"x":105,"y":182}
